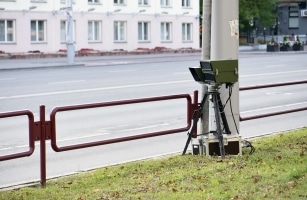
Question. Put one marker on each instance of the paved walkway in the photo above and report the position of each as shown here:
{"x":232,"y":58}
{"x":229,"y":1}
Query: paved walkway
{"x":7,"y":64}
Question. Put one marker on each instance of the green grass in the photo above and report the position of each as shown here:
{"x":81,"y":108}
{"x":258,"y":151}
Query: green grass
{"x":277,"y":170}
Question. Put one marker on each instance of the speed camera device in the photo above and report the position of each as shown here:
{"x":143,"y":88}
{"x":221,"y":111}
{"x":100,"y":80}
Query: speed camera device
{"x":216,"y":72}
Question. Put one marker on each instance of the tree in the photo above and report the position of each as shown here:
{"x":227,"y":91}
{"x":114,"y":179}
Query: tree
{"x":264,"y":11}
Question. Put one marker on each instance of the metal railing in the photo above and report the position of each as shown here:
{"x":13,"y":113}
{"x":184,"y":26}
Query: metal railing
{"x":43,"y":130}
{"x":272,"y":113}
{"x":46,"y":130}
{"x":121,"y":139}
{"x":31,"y":125}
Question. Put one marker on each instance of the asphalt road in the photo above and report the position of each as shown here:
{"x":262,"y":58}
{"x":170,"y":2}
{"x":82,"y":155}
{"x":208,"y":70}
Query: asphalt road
{"x":119,"y":78}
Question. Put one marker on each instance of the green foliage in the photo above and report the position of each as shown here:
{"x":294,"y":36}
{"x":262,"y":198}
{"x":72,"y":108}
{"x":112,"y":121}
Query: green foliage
{"x":262,"y":10}
{"x":277,"y":170}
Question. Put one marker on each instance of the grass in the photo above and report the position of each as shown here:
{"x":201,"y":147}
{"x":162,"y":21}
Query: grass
{"x":277,"y":170}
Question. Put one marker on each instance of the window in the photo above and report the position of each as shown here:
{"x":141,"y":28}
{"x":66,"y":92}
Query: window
{"x":64,"y":29}
{"x":143,"y":31}
{"x":143,"y":2}
{"x":119,"y":31}
{"x":165,"y":3}
{"x":165,"y":31}
{"x":94,"y":31}
{"x":39,"y":1}
{"x":38,"y":32}
{"x":65,"y":1}
{"x":293,"y":19}
{"x":7,"y":31}
{"x":93,"y":1}
{"x":293,"y":15}
{"x":186,"y":3}
{"x":186,"y":32}
{"x":119,"y":2}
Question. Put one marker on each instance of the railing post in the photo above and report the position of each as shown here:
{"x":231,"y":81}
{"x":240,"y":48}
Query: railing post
{"x":43,"y":145}
{"x":194,"y":108}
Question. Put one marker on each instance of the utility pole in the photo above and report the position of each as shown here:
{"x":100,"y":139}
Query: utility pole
{"x":69,"y":34}
{"x":219,"y":45}
{"x":224,"y":45}
{"x":205,"y":55}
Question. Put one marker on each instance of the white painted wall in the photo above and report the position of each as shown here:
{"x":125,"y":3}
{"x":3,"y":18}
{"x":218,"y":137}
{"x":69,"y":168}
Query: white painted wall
{"x":49,"y":10}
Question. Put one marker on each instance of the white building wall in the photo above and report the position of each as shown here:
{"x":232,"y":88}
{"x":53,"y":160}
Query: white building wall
{"x":49,"y":10}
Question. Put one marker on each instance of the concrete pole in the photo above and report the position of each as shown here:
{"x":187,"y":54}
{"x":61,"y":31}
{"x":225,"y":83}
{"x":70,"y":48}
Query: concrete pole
{"x":69,"y":34}
{"x":206,"y":43}
{"x":224,"y":46}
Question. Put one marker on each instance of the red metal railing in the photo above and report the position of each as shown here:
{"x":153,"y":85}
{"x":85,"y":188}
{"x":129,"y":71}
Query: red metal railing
{"x":31,"y":134}
{"x":116,"y":103}
{"x":44,"y":130}
{"x":272,"y":113}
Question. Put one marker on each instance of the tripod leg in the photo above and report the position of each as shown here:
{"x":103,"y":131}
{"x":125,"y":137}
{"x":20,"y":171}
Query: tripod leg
{"x":190,"y":136}
{"x":196,"y":116}
{"x":218,"y":125}
{"x":222,"y":113}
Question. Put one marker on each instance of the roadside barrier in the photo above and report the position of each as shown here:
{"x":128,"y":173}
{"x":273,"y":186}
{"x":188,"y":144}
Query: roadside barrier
{"x":46,"y":130}
{"x":272,"y":113}
{"x":31,"y":125}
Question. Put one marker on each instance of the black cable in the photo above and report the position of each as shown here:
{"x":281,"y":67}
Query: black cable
{"x":230,"y":93}
{"x":248,"y":144}
{"x":225,"y":106}
{"x":229,"y":99}
{"x":245,"y":142}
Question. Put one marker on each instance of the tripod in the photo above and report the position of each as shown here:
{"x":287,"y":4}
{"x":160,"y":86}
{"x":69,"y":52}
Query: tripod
{"x":219,"y":114}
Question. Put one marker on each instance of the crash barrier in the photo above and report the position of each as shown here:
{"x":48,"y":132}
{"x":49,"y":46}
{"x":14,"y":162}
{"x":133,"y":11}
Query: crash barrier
{"x":272,"y":113}
{"x":46,"y":130}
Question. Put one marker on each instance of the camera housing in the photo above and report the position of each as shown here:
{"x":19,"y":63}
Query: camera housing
{"x":216,"y":72}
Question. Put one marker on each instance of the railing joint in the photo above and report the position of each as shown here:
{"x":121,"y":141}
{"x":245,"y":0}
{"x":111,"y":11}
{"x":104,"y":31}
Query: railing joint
{"x":37,"y":130}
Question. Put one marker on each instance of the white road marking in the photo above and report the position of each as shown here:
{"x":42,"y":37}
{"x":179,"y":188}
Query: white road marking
{"x":8,"y":148}
{"x":142,"y":128}
{"x":270,"y":74}
{"x":119,"y":62}
{"x":22,"y":146}
{"x":274,"y":107}
{"x":94,"y":89}
{"x":274,"y":93}
{"x":269,"y":66}
{"x":119,"y":71}
{"x":83,"y":137}
{"x":7,"y":79}
{"x":66,"y":82}
{"x":62,"y":140}
{"x":176,"y":73}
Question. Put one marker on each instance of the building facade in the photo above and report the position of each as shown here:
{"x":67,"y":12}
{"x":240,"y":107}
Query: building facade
{"x":103,"y":25}
{"x":291,"y":17}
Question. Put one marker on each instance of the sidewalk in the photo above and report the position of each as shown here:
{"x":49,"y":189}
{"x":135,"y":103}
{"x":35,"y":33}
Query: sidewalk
{"x":7,"y":64}
{"x":28,"y":62}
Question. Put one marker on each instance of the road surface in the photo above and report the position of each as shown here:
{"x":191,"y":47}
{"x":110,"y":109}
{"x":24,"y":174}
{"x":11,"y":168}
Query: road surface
{"x":118,"y":78}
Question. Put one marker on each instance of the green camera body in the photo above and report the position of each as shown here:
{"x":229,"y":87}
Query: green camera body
{"x":216,"y":72}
